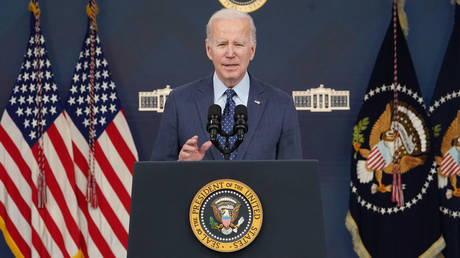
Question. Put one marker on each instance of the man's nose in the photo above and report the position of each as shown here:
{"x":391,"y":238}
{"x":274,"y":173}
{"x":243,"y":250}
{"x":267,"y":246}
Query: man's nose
{"x":229,"y":51}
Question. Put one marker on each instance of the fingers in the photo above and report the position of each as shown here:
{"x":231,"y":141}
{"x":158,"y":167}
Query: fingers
{"x":190,"y":146}
{"x":192,"y":142}
{"x":185,"y":155}
{"x":190,"y":150}
{"x":205,"y":147}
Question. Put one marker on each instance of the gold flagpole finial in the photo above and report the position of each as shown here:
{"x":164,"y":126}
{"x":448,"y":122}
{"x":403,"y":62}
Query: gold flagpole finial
{"x":402,"y":16}
{"x":34,"y":9}
{"x":92,"y":10}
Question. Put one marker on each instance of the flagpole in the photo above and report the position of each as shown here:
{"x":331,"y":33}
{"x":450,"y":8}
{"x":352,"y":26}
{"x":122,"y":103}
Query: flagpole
{"x":397,"y":194}
{"x":91,"y":195}
{"x":41,"y":182}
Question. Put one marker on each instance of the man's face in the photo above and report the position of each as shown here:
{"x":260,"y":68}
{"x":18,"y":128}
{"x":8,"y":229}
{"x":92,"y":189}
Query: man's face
{"x":230,"y":49}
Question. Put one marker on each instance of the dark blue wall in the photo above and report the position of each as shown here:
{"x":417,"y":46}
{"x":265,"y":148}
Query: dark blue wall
{"x":301,"y":43}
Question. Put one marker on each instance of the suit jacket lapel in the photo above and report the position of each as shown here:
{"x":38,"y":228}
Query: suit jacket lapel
{"x":204,"y":97}
{"x":256,"y":106}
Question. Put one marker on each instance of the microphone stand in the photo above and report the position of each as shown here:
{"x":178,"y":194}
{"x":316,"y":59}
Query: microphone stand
{"x":226,"y":151}
{"x":239,"y":128}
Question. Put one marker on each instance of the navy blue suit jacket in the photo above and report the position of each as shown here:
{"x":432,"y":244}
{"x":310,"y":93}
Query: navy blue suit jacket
{"x":273,"y":126}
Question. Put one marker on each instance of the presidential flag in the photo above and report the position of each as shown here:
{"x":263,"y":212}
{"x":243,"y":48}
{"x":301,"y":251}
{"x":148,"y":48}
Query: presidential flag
{"x":445,"y":118}
{"x":38,"y":206}
{"x":393,"y":191}
{"x":103,"y":149}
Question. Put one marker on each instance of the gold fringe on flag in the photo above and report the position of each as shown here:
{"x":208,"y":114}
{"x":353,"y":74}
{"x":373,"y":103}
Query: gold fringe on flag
{"x":402,"y":16}
{"x":9,"y":240}
{"x":358,"y":245}
{"x":458,"y":2}
{"x":79,"y":254}
{"x":434,"y":250}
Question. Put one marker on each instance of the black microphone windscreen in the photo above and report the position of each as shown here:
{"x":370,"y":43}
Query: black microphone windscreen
{"x":214,"y":110}
{"x":241,"y":110}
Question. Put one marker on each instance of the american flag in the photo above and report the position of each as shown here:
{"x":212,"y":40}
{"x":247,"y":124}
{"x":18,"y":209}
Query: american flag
{"x":34,"y":137}
{"x":105,"y":227}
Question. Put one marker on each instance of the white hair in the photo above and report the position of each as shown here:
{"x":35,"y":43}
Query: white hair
{"x":232,"y":14}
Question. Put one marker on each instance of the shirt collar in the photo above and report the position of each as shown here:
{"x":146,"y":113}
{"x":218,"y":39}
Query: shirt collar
{"x":241,"y":89}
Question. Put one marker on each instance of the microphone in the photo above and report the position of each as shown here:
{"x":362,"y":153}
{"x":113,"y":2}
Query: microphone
{"x":241,"y":121}
{"x":214,"y":118}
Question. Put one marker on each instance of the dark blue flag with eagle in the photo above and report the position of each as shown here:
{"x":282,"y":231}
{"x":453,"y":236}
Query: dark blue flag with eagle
{"x":445,"y":118}
{"x":393,"y":207}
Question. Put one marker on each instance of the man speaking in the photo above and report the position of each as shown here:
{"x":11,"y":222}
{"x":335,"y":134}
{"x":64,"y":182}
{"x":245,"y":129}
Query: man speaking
{"x":272,"y":124}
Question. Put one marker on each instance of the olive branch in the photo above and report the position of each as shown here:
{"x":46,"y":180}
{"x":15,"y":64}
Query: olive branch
{"x":358,"y":137}
{"x":212,"y":222}
{"x":436,"y":130}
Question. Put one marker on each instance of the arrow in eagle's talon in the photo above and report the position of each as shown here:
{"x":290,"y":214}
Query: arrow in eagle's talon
{"x":240,"y":221}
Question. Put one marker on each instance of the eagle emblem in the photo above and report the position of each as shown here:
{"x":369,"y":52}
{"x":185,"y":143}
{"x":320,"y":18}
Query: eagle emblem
{"x":225,"y":210}
{"x":226,"y":215}
{"x":412,"y":144}
{"x":449,"y":163}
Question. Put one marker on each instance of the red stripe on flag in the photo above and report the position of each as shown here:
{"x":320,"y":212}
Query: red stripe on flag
{"x":14,"y":193}
{"x":80,"y":160}
{"x":20,"y":203}
{"x":24,"y":168}
{"x":14,"y":233}
{"x":112,"y":177}
{"x":121,"y":146}
{"x":11,"y":148}
{"x":112,"y":219}
{"x":53,"y":184}
{"x":109,"y":214}
{"x":62,"y":152}
{"x":26,"y":173}
{"x":93,"y":230}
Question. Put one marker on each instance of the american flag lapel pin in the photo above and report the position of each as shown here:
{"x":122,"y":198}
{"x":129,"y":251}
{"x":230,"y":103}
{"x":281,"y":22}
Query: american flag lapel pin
{"x":257,"y":102}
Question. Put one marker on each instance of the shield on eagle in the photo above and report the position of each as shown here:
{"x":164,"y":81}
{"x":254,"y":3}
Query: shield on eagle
{"x":225,"y":210}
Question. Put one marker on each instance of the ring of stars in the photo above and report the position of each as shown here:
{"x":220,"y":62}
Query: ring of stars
{"x":455,"y":214}
{"x":401,"y":89}
{"x":444,"y":99}
{"x":406,"y":205}
{"x":229,"y":239}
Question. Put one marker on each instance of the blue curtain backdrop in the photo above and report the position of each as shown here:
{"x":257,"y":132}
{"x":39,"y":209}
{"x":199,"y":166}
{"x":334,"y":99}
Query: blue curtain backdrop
{"x":301,"y":44}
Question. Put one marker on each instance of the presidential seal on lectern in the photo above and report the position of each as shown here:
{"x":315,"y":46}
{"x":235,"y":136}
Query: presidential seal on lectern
{"x":226,"y":215}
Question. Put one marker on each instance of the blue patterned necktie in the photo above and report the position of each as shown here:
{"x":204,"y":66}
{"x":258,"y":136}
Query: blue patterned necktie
{"x":228,"y":120}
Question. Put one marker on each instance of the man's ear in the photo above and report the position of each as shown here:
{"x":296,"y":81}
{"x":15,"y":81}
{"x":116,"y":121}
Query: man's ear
{"x":253,"y":50}
{"x":208,"y":49}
